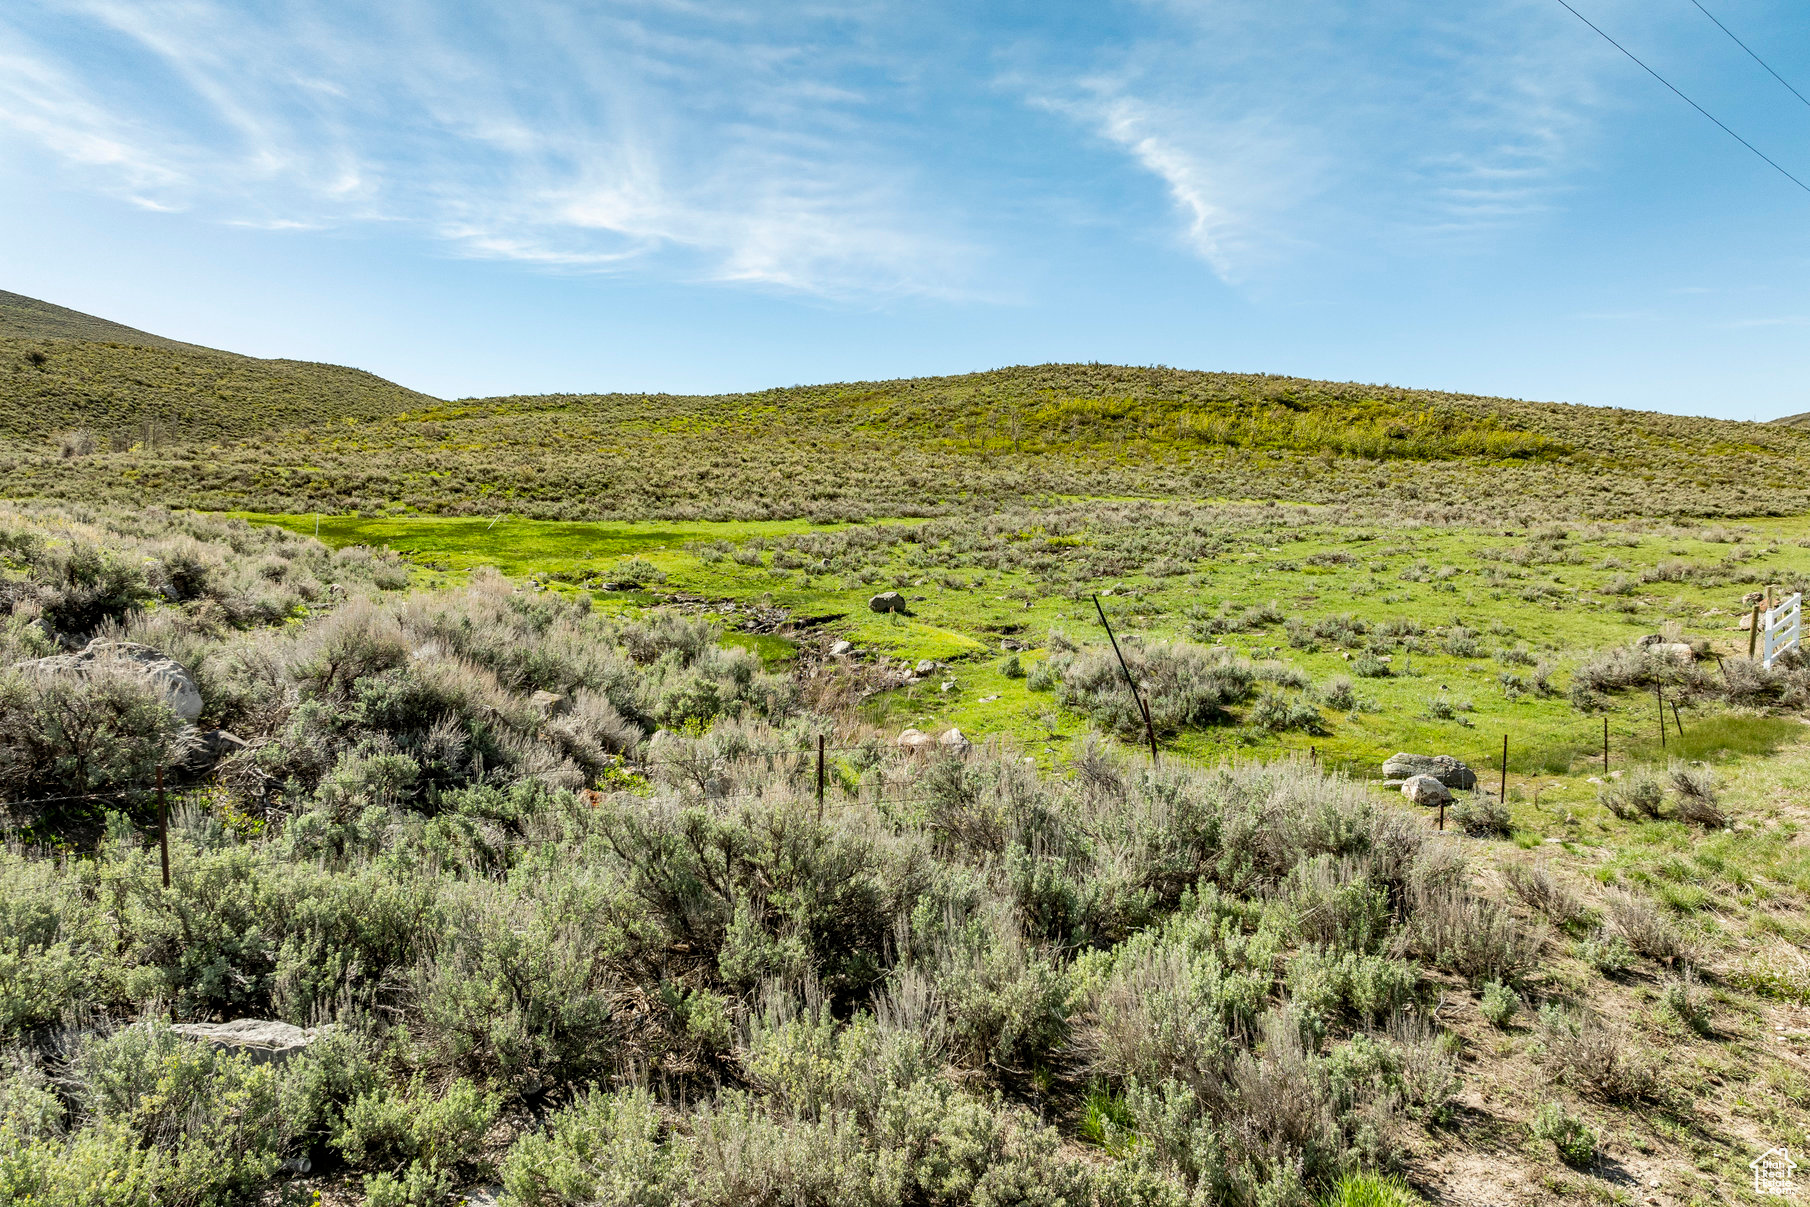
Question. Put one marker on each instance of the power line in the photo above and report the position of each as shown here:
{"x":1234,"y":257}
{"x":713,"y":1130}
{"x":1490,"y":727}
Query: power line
{"x":1756,"y":58}
{"x":1687,"y":100}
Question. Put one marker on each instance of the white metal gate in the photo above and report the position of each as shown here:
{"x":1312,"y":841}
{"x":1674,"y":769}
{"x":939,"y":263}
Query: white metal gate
{"x":1782,"y":628}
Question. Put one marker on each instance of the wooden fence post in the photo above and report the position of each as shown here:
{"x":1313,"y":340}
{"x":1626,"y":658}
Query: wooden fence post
{"x":820,"y":778}
{"x":1605,"y":744}
{"x":1505,"y":769}
{"x":1659,"y":694}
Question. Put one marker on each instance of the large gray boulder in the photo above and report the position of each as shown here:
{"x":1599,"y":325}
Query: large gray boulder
{"x":158,"y":669}
{"x":1425,"y":790}
{"x":261,"y":1039}
{"x":1442,"y":767}
{"x":888,"y":601}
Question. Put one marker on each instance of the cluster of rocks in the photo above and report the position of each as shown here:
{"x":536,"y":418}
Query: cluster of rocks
{"x":202,"y":748}
{"x":951,"y":739}
{"x":1428,"y":779}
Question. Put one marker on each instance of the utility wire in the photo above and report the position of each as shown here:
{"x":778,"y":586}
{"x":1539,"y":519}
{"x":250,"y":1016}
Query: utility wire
{"x":1687,"y":100}
{"x":1756,"y":58}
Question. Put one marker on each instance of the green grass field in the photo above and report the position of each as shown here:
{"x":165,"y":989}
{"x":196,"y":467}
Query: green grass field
{"x":1495,"y":608}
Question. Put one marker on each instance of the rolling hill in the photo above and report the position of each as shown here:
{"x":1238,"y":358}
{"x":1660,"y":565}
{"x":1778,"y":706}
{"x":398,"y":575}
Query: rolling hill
{"x":28,"y":318}
{"x":194,"y":427}
{"x":109,"y":387}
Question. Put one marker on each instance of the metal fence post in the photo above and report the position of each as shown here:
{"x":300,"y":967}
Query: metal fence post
{"x":163,"y":828}
{"x":1149,"y":729}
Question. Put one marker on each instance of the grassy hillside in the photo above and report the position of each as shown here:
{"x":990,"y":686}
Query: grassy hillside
{"x":71,"y":385}
{"x":967,"y":443}
{"x":28,"y":318}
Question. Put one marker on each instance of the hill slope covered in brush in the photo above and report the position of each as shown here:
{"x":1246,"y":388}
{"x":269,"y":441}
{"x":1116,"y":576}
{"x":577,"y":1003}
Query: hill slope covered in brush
{"x":64,"y":373}
{"x":197,"y":428}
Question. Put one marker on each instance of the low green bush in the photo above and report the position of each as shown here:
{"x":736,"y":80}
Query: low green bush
{"x":1574,"y":1141}
{"x":1499,"y":1004}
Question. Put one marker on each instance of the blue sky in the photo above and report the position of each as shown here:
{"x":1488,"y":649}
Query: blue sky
{"x":479,"y":198}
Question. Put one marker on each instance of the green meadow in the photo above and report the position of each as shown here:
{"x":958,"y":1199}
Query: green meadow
{"x":1485,"y":624}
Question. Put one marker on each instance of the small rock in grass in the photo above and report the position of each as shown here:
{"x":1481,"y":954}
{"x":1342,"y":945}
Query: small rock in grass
{"x":888,"y":601}
{"x":924,"y":667}
{"x":953,"y":739}
{"x":915,"y":739}
{"x":841,"y":648}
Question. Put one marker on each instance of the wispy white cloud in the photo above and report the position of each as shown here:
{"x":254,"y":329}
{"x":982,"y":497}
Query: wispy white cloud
{"x":1277,"y":129}
{"x":1782,"y":320}
{"x":714,"y":142}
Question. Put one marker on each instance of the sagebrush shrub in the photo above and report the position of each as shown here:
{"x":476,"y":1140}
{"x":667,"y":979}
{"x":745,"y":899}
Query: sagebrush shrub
{"x":1535,"y":884}
{"x":1637,"y":794}
{"x":1582,"y":1050}
{"x":1645,"y":927}
{"x":1694,"y":795}
{"x":1474,"y":936}
{"x":1482,"y":816}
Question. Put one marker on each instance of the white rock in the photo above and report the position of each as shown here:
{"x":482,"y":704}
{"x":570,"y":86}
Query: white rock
{"x":164,"y":673}
{"x":261,"y":1039}
{"x":948,"y":685}
{"x":915,"y":739}
{"x":841,"y":648}
{"x":953,"y":739}
{"x":1425,"y":790}
{"x":924,"y":667}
